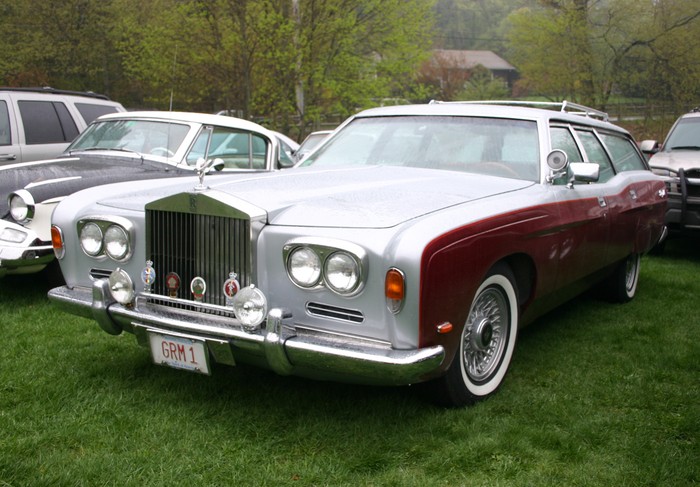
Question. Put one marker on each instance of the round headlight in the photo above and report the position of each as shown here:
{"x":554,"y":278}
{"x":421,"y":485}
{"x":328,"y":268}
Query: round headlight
{"x":122,"y":287}
{"x":342,"y":272}
{"x":304,"y":267}
{"x":116,"y":242}
{"x":250,"y":307}
{"x":21,"y":210}
{"x":91,"y":239}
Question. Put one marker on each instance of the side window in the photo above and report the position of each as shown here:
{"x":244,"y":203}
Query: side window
{"x":90,"y":111}
{"x":596,"y":153}
{"x":238,"y":150}
{"x":4,"y":124}
{"x":563,"y":139}
{"x":624,"y":154}
{"x":46,"y":122}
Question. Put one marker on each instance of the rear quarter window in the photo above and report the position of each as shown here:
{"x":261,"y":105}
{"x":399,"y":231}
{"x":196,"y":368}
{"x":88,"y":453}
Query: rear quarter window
{"x":90,"y":111}
{"x":624,"y":155}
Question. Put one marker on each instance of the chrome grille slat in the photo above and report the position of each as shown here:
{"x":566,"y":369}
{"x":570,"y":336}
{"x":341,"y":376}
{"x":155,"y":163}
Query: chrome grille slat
{"x":194,"y":245}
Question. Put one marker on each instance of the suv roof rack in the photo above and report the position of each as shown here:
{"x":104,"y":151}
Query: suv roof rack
{"x":48,"y":89}
{"x":562,"y":106}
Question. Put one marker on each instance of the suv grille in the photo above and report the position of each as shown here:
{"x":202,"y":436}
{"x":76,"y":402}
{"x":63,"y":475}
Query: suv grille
{"x":194,"y":245}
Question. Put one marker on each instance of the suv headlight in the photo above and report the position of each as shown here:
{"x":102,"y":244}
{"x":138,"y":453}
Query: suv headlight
{"x":21,"y":205}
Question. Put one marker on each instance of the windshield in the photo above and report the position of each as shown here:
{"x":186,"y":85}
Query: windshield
{"x":142,"y":136}
{"x":685,"y":135}
{"x":500,"y":147}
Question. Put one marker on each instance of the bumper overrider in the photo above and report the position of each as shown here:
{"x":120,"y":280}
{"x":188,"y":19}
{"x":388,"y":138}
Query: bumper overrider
{"x":280,"y":344}
{"x":21,"y":251}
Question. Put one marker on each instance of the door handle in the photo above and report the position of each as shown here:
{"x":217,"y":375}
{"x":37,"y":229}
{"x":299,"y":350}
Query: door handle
{"x":7,"y":157}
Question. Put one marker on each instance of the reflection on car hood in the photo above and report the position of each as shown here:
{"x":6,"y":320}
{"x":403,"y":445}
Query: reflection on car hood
{"x":64,"y":176}
{"x":353,"y":197}
{"x":677,"y":159}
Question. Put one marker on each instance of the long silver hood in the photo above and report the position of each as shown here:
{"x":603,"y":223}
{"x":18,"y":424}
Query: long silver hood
{"x":349,"y":197}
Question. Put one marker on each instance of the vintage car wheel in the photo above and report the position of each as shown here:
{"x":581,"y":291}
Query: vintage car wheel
{"x":486,"y":343}
{"x":622,"y":283}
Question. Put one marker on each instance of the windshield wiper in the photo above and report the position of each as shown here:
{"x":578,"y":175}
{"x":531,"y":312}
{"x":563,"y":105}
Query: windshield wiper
{"x":122,"y":149}
{"x":685,"y":147}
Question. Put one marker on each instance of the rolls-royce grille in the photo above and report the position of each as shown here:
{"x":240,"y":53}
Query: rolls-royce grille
{"x":193,"y":245}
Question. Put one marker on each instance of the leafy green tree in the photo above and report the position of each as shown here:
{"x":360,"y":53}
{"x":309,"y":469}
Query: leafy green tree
{"x":62,"y":44}
{"x":588,"y":50}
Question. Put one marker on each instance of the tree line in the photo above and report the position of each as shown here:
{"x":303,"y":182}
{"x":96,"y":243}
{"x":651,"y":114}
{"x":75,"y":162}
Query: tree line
{"x":290,"y":63}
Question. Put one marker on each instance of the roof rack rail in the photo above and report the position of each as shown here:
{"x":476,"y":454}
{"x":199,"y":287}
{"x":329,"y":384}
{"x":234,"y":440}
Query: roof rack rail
{"x":562,"y":106}
{"x":54,"y":91}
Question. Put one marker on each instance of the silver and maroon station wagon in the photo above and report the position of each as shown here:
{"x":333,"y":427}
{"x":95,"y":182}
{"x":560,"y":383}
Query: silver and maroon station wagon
{"x":409,"y":247}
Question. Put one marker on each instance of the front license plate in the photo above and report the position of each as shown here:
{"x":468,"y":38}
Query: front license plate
{"x":179,"y":352}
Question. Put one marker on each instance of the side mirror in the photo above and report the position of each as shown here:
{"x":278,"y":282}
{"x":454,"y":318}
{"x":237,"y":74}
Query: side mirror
{"x":584,"y":172}
{"x":649,"y":146}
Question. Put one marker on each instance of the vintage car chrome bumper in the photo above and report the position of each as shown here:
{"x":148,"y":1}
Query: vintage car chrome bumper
{"x":280,"y":345}
{"x":19,"y":253}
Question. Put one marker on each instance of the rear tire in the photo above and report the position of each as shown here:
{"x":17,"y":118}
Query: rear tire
{"x":486,"y":343}
{"x":622,"y":283}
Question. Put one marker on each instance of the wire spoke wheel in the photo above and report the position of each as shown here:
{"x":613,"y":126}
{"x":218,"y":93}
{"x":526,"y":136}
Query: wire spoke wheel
{"x":485,"y":337}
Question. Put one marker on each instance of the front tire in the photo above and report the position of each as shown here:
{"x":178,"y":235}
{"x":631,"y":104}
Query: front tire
{"x":486,"y":343}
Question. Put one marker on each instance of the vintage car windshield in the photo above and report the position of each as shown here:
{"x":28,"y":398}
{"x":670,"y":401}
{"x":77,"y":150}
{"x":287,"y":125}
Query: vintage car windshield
{"x":493,"y":146}
{"x":142,"y":136}
{"x":685,"y":135}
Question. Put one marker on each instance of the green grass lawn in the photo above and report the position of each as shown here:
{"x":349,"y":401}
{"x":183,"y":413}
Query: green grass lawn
{"x":598,"y":394}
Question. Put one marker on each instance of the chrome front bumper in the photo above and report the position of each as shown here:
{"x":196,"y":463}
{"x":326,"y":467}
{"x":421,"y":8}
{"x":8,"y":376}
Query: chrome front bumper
{"x":281,"y":345}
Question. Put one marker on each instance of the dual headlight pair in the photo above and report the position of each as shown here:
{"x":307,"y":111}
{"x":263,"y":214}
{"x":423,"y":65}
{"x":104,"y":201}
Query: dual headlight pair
{"x":98,"y":238}
{"x":335,"y":265}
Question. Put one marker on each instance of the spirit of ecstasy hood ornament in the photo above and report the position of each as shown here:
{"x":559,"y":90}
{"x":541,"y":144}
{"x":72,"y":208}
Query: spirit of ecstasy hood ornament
{"x":202,"y":167}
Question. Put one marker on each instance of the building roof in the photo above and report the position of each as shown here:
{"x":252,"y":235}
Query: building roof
{"x":469,"y":59}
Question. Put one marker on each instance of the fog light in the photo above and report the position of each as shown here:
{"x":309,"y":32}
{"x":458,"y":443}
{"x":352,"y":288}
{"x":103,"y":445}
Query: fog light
{"x":12,"y":235}
{"x":122,"y":287}
{"x":250,"y":307}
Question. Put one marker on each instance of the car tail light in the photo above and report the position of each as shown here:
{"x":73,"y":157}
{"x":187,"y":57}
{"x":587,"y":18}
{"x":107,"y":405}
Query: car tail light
{"x":57,"y":242}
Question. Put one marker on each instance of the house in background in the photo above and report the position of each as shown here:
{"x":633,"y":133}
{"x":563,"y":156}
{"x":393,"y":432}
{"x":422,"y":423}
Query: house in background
{"x":448,"y":70}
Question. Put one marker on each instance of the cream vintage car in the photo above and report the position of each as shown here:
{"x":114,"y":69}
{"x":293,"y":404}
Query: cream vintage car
{"x":410,"y":247}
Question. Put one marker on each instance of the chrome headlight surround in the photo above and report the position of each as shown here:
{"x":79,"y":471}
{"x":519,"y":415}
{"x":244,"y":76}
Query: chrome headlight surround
{"x":342,"y":265}
{"x":22,"y":206}
{"x":115,"y":234}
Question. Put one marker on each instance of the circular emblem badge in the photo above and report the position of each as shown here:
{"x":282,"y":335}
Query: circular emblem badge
{"x":198,"y":287}
{"x":172,"y":282}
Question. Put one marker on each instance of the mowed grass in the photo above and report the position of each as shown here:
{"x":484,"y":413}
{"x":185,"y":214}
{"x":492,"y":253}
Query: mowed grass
{"x":598,"y":395}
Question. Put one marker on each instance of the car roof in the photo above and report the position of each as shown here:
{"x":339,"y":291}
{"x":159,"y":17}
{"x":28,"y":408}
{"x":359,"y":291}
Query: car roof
{"x":693,"y":114}
{"x":189,"y":117}
{"x":505,"y":109}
